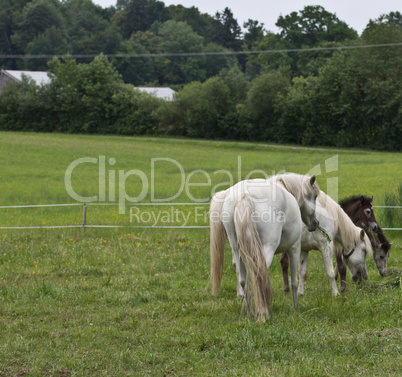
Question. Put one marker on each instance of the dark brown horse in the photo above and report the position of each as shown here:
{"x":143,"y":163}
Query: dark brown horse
{"x":360,"y":210}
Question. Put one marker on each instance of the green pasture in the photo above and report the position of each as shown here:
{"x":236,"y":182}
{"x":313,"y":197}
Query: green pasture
{"x":135,"y":302}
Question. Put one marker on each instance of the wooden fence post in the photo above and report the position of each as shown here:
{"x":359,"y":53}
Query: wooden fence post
{"x":84,"y":218}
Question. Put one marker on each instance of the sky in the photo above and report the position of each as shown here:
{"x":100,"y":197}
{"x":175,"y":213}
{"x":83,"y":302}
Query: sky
{"x":356,"y":13}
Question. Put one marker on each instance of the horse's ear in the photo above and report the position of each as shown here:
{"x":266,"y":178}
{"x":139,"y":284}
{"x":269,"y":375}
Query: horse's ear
{"x":362,"y":233}
{"x":371,"y":199}
{"x":312,"y":180}
{"x":362,"y":199}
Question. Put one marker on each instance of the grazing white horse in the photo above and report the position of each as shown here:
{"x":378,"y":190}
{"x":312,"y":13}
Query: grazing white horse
{"x":261,"y":218}
{"x":345,"y":237}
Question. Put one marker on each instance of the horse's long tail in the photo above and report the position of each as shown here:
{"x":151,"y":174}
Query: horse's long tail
{"x":251,"y":252}
{"x":217,"y":240}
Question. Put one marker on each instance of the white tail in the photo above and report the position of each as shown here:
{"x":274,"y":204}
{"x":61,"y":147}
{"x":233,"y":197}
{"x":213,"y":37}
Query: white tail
{"x":217,"y":240}
{"x":251,"y":252}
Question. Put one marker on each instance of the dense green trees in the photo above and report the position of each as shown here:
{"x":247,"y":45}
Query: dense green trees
{"x":325,"y":96}
{"x":82,"y":98}
{"x":138,"y":15}
{"x":312,"y":26}
{"x":55,"y":27}
{"x":178,"y":37}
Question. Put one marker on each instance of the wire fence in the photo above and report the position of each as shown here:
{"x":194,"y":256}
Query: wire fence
{"x":202,"y":53}
{"x":84,"y":225}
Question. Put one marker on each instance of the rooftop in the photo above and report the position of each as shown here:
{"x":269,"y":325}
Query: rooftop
{"x":39,"y":77}
{"x":165,"y":93}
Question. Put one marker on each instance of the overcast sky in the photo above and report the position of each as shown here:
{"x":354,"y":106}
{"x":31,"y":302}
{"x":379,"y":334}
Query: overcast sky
{"x":356,"y":13}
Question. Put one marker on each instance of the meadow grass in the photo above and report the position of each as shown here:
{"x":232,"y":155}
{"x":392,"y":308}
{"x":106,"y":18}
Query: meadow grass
{"x":136,"y":302}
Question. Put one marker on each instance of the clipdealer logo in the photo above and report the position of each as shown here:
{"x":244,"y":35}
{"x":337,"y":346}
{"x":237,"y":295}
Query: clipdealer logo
{"x":112,"y":187}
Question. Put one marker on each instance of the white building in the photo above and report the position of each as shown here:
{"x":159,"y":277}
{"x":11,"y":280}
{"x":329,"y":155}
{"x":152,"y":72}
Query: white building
{"x":7,"y":75}
{"x":165,"y":93}
{"x":42,"y":78}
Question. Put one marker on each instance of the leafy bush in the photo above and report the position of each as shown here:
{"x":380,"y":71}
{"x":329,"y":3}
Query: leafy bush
{"x":81,"y":98}
{"x":204,"y":109}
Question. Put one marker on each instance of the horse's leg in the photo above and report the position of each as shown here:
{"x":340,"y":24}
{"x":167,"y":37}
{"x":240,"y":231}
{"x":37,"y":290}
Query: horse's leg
{"x":340,"y":266}
{"x":302,"y":271}
{"x":327,"y":256}
{"x":336,"y":269}
{"x":241,"y":278}
{"x":294,"y":255}
{"x":285,"y":266}
{"x":233,"y":260}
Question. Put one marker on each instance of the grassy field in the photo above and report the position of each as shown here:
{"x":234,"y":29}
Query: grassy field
{"x":135,"y":302}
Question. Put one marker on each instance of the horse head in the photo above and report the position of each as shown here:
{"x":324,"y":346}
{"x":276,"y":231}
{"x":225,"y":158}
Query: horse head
{"x":360,"y":210}
{"x":365,"y":213}
{"x":355,"y":259}
{"x":380,"y":244}
{"x":381,"y":255}
{"x":310,"y":192}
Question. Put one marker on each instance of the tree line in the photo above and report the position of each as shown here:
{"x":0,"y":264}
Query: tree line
{"x":322,"y":96}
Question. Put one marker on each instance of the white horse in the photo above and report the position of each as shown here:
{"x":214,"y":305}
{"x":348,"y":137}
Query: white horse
{"x":340,"y":228}
{"x":261,"y":218}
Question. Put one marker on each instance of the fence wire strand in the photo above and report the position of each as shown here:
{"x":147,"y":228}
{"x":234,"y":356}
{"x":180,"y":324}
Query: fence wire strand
{"x":188,"y":54}
{"x":86,"y":226}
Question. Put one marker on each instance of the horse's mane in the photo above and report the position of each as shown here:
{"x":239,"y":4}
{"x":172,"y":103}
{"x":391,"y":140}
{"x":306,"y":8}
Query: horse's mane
{"x":349,"y":232}
{"x":344,"y":203}
{"x":293,"y":183}
{"x":369,"y":247}
{"x":382,"y":239}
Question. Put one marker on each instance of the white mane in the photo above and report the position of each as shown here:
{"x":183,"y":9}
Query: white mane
{"x":298,"y":185}
{"x":348,"y":232}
